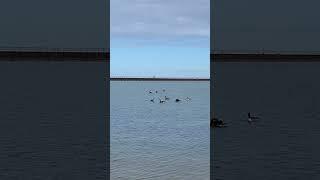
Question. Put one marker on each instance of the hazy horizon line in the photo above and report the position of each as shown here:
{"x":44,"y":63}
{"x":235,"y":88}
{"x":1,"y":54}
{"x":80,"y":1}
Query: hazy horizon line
{"x":158,"y":77}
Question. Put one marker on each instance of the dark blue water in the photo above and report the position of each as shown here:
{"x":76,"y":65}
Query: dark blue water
{"x":159,"y":140}
{"x":52,"y":120}
{"x":284,"y":143}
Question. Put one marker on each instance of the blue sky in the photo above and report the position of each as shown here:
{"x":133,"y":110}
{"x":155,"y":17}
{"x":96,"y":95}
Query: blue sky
{"x":162,"y":38}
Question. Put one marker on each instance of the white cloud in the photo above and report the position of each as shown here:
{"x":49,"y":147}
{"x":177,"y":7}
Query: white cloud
{"x":160,"y":18}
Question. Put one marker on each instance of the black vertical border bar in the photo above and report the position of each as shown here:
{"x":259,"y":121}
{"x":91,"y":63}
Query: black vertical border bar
{"x":107,"y":90}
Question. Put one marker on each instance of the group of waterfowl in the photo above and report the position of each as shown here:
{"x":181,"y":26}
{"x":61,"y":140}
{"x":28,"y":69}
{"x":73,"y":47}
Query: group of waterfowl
{"x":219,"y":123}
{"x":166,"y":98}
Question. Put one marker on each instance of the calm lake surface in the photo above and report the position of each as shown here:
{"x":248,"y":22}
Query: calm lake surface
{"x":159,"y":140}
{"x":284,"y":143}
{"x":52,"y":120}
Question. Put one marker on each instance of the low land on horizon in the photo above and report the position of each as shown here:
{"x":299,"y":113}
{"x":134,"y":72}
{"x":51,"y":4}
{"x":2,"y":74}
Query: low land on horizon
{"x":265,"y":57}
{"x":157,"y":79}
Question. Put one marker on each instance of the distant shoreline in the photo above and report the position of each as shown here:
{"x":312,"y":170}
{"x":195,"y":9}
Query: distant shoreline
{"x":251,"y":57}
{"x":54,"y":56}
{"x":159,"y":79}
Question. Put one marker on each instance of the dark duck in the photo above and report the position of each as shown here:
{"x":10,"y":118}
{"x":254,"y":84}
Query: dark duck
{"x":215,"y":122}
{"x":251,"y":118}
{"x":161,"y":101}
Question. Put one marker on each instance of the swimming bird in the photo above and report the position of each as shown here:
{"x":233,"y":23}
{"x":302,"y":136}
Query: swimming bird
{"x":215,"y":122}
{"x":150,"y":92}
{"x":178,"y":100}
{"x":251,"y":118}
{"x":166,"y":98}
{"x":156,"y":91}
{"x":161,"y":101}
{"x":152,"y":100}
